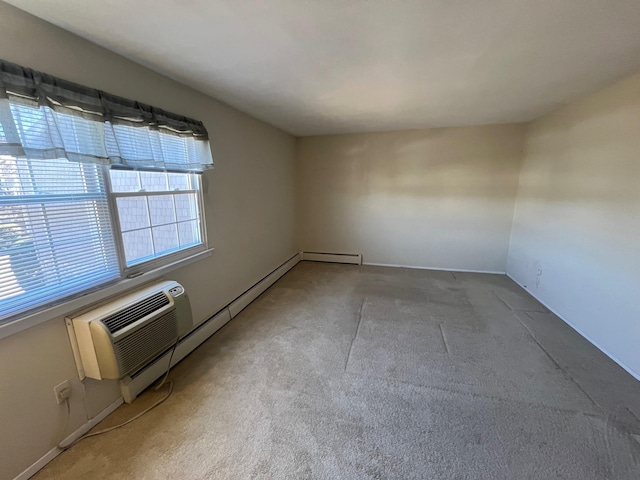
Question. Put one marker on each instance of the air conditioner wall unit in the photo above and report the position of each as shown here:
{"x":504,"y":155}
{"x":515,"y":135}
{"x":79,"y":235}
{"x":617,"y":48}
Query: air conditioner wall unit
{"x":121,"y":336}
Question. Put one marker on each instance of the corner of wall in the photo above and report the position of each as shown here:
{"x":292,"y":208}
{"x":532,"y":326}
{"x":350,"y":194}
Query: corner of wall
{"x":523,"y":154}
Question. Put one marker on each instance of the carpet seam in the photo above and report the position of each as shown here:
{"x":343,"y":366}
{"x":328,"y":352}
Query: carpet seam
{"x":444,"y":340}
{"x":530,"y":333}
{"x":346,"y":364}
{"x":480,"y":395}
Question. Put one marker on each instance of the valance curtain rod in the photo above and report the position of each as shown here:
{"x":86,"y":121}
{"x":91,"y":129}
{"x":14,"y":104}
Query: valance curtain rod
{"x":67,"y":97}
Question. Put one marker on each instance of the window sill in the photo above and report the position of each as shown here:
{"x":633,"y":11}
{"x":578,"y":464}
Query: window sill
{"x":84,"y":301}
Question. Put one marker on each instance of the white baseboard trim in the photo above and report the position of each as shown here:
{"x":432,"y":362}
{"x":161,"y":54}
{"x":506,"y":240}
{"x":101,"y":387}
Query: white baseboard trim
{"x":433,"y":268}
{"x":350,"y":258}
{"x":631,"y":372}
{"x":54,"y":452}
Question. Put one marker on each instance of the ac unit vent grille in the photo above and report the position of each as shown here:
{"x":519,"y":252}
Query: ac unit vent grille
{"x":136,"y":349}
{"x":135,"y":312}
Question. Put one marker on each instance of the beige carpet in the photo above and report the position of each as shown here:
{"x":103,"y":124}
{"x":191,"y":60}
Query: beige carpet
{"x":347,"y":372}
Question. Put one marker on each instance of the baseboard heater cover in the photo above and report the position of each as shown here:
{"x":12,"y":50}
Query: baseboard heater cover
{"x":350,"y":258}
{"x":254,"y":292}
{"x":135,"y":384}
{"x":132,"y":386}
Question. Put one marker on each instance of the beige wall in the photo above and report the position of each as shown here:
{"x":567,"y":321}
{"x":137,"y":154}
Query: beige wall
{"x":576,"y":236}
{"x":440,"y":198}
{"x":250,"y":216}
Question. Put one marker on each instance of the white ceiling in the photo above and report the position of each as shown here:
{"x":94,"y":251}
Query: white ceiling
{"x":329,"y":66}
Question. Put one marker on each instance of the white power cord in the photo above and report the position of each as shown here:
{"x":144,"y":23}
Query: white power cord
{"x":66,"y":421}
{"x":135,"y":417}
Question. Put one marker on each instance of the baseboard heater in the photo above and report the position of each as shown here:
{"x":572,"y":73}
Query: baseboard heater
{"x":134,"y":384}
{"x":351,"y":258}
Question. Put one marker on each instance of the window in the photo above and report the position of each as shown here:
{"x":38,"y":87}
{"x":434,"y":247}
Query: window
{"x":55,"y":234}
{"x":90,"y":192}
{"x":158,"y":213}
{"x":58,"y":236}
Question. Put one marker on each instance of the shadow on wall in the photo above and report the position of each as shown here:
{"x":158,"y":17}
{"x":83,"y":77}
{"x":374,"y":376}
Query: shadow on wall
{"x":580,"y":174}
{"x":460,"y":163}
{"x":582,"y":154}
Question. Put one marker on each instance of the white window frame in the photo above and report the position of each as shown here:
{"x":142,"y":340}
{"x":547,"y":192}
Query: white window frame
{"x":142,"y":267}
{"x":130,"y":277}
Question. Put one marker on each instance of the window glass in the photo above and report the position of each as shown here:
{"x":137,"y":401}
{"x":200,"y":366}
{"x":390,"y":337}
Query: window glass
{"x":55,"y":232}
{"x":156,"y":220}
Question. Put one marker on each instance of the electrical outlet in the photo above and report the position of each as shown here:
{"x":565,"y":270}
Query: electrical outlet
{"x":62,"y":391}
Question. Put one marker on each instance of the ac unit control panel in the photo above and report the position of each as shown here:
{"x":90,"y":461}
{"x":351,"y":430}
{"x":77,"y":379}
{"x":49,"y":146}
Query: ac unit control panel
{"x":176,"y":291}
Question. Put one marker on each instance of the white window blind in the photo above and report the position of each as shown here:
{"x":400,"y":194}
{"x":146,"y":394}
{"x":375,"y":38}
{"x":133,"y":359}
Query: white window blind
{"x":55,"y":236}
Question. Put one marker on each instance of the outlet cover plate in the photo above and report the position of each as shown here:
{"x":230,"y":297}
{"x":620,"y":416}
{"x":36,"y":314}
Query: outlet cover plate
{"x":57,"y":390}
